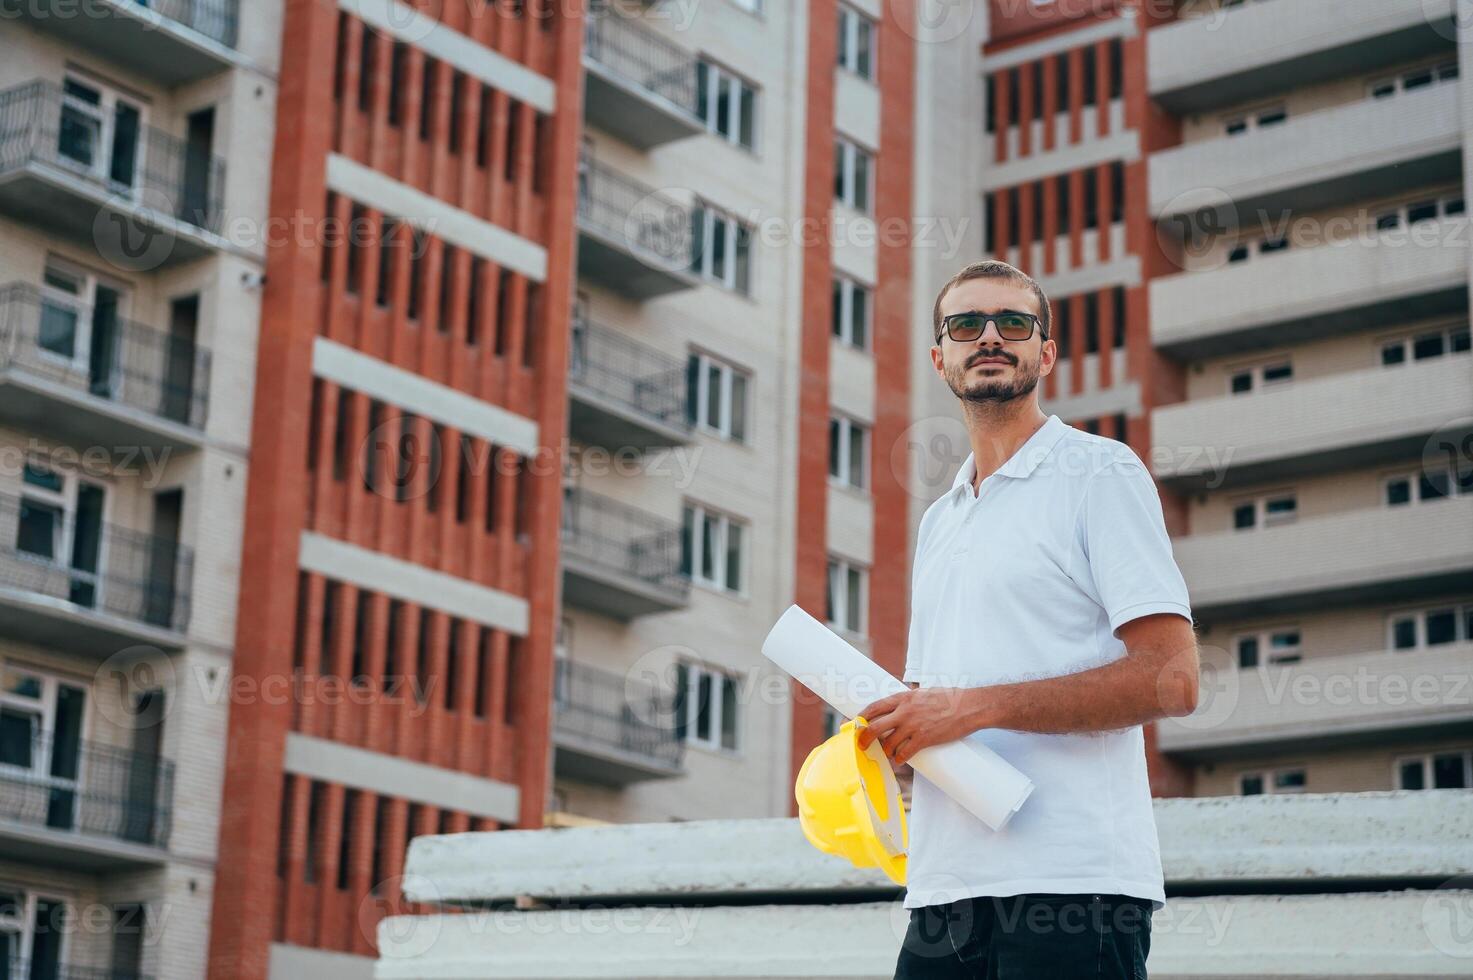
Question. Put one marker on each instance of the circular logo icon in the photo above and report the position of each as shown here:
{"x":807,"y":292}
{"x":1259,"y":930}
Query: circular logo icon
{"x":1197,"y":228}
{"x":401,"y":461}
{"x":936,"y":21}
{"x":1455,"y":25}
{"x":927,"y":455}
{"x":148,"y":681}
{"x":651,"y":684}
{"x":1447,"y":917}
{"x":1219,"y":685}
{"x":1450,"y":450}
{"x":658,"y":227}
{"x":399,"y":935}
{"x":130,"y":231}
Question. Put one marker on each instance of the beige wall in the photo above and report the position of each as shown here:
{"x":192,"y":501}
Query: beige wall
{"x":1346,"y":771}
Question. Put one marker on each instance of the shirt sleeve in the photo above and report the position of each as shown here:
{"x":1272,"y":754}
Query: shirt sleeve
{"x":1127,"y":547}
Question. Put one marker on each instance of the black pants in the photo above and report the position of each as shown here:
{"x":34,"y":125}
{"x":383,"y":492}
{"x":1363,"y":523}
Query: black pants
{"x":1028,"y":937}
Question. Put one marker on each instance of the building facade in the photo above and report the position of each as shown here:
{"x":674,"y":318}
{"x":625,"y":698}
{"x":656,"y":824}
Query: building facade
{"x":400,"y":567}
{"x":134,"y":144}
{"x":1253,"y":230}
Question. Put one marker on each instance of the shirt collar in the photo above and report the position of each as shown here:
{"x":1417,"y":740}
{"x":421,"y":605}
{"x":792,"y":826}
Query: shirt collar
{"x":1023,"y":462}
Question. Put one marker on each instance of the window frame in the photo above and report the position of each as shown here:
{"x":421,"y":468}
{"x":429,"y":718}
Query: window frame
{"x":693,"y":516}
{"x":709,"y":217}
{"x":1428,"y":772}
{"x":842,"y":468}
{"x":853,"y":22}
{"x":693,"y":671}
{"x":1270,"y":777}
{"x":847,"y":187}
{"x":845,"y":289}
{"x":698,"y":401}
{"x":710,"y":75}
{"x":837,"y":575}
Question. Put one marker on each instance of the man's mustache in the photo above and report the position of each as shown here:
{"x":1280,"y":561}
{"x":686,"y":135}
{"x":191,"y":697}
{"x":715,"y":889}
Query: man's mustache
{"x":986,"y":354}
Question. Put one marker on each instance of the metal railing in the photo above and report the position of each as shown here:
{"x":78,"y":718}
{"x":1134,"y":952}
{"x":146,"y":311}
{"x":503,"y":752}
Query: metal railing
{"x":608,"y":708}
{"x":649,"y":223}
{"x":639,"y":55}
{"x":631,"y":374}
{"x":218,"y":20}
{"x":122,"y":361}
{"x":137,"y":576}
{"x":95,"y":789}
{"x":155,"y":169}
{"x":34,"y":970}
{"x":623,"y":540}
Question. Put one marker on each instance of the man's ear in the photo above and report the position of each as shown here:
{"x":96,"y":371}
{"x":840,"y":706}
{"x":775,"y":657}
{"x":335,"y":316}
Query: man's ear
{"x":938,"y":361}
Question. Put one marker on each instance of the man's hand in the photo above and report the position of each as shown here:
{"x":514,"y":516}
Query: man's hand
{"x":913,"y":720}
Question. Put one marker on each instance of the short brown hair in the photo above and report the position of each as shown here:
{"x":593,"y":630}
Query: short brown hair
{"x":994,"y":269}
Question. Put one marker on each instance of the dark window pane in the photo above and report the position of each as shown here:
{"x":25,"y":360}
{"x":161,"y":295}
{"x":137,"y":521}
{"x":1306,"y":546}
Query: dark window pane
{"x":1428,"y":345}
{"x":1448,"y":772}
{"x":1250,"y":785}
{"x":1399,"y":492}
{"x":1442,"y":627}
{"x":1248,"y":651}
{"x":1404,"y":633}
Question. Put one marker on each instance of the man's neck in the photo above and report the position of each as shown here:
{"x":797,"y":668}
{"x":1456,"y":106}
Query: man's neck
{"x":997,"y":431}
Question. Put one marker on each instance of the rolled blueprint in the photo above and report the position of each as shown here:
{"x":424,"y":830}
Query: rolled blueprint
{"x":967,"y":771}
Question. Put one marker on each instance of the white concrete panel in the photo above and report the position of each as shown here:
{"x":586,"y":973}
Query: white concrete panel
{"x":347,"y":765}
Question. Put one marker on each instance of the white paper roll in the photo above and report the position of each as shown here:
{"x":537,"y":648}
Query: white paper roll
{"x":967,"y":770}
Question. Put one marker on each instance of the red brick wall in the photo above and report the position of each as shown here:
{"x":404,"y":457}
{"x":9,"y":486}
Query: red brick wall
{"x":314,"y":863}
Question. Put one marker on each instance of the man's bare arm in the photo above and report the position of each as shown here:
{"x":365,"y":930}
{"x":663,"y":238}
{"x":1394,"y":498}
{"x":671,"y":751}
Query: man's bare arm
{"x":1156,"y":678}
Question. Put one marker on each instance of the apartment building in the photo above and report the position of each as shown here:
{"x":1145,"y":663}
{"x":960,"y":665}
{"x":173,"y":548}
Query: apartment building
{"x":728,"y":418}
{"x":400,"y":570}
{"x":1311,"y":202}
{"x":1284,"y":338}
{"x":133,"y":147}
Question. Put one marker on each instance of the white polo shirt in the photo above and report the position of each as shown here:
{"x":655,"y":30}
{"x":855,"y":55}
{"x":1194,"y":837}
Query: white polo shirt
{"x":1029,"y":579}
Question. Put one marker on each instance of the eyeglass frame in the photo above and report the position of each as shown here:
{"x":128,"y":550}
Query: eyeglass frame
{"x":992,"y":319}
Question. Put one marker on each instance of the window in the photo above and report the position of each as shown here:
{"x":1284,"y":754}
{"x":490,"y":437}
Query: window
{"x":721,"y":249}
{"x":40,"y":733}
{"x":81,"y":325}
{"x":1429,"y":484}
{"x":1419,"y":629}
{"x":706,"y":707}
{"x":851,"y":314}
{"x":60,"y":523}
{"x":1248,"y":379}
{"x":1269,"y":782}
{"x":848,"y":451}
{"x":1447,"y":205}
{"x":1412,"y":79}
{"x":1425,"y":346}
{"x":852,"y":169}
{"x":856,"y":42}
{"x":1264,"y":118}
{"x":716,"y":397}
{"x":711,"y":548}
{"x":845,"y":601}
{"x":1243,"y":251}
{"x":727,"y":104}
{"x":32,"y":933}
{"x":100,"y":132}
{"x":1265,"y":511}
{"x":1439,"y":770}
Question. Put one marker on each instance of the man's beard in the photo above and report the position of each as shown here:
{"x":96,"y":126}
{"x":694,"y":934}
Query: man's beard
{"x":1025,"y":379}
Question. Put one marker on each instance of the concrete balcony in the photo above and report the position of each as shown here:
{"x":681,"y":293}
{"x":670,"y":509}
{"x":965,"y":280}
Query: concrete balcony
{"x":637,"y":85}
{"x":624,"y":394}
{"x":1359,"y":418}
{"x":168,"y":41}
{"x":1363,"y":283}
{"x":144,"y":201}
{"x":1387,"y":554}
{"x":632,"y":238}
{"x":611,"y":729}
{"x":1327,"y":702}
{"x":83,"y":585}
{"x":1257,"y":49}
{"x":620,"y":561}
{"x":83,"y":806}
{"x":1367,"y":149}
{"x":89,"y":377}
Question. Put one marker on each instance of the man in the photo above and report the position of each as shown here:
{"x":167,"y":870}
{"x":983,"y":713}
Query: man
{"x":1049,"y":618}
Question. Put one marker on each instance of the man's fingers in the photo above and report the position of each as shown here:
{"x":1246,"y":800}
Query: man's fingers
{"x":877,"y":727}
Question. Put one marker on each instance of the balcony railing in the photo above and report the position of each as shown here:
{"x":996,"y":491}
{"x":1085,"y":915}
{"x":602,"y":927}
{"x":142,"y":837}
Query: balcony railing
{"x":644,"y":221}
{"x":126,"y":362}
{"x":94,"y":565}
{"x":639,"y":55}
{"x":34,"y":970}
{"x":623,"y":541}
{"x":154,"y":169}
{"x":102,"y":790}
{"x":605,"y":708}
{"x":218,"y":20}
{"x":631,"y":375}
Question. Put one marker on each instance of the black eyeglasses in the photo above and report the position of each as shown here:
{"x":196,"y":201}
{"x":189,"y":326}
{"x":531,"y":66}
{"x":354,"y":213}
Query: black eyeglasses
{"x":964,"y":328}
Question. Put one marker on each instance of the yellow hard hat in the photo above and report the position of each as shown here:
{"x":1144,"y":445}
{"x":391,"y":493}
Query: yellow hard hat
{"x":849,"y":803}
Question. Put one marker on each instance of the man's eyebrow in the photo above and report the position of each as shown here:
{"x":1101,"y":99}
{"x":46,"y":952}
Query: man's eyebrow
{"x":987,"y":313}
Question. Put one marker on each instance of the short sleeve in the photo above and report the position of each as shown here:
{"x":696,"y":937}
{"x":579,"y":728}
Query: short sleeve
{"x":1127,"y":547}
